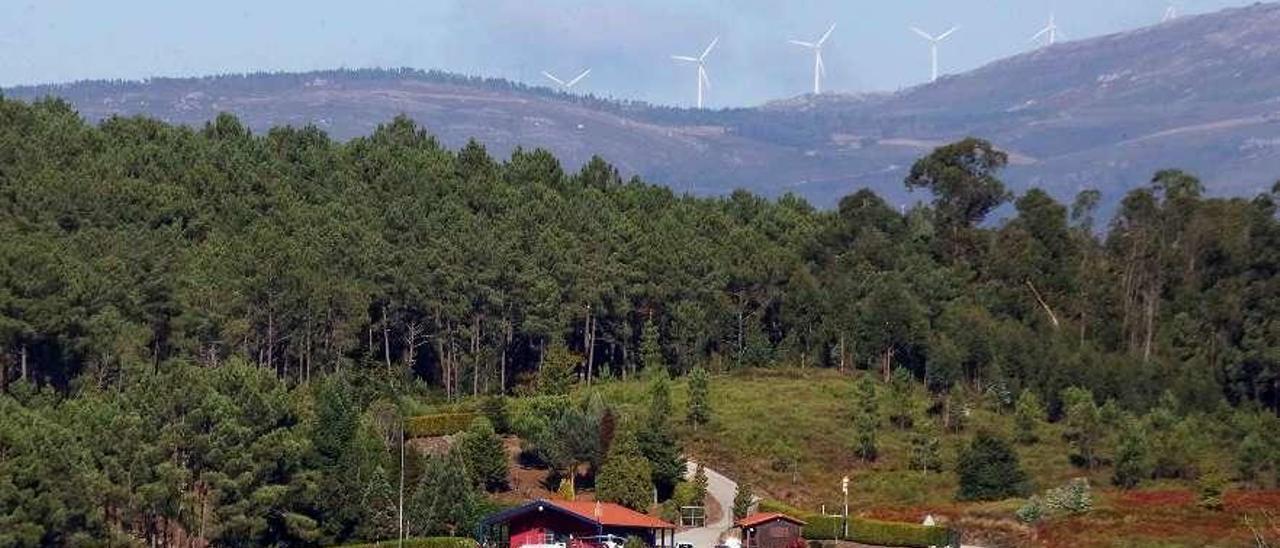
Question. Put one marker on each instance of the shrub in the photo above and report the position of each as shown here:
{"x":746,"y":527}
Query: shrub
{"x":1075,"y":498}
{"x":886,"y":533}
{"x":862,"y":530}
{"x":989,"y":470}
{"x":440,"y":424}
{"x":1210,"y":485}
{"x":421,"y":542}
{"x":1031,"y":512}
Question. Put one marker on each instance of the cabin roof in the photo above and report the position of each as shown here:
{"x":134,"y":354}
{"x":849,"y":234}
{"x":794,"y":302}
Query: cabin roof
{"x":755,"y":520}
{"x":605,"y":514}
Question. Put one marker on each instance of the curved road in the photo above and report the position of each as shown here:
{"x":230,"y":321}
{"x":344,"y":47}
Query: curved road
{"x":722,"y":489}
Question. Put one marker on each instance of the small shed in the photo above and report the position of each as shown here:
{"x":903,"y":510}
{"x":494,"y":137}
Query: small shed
{"x":769,"y":530}
{"x":572,"y":524}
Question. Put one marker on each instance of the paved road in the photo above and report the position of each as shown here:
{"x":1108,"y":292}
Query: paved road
{"x":722,"y":489}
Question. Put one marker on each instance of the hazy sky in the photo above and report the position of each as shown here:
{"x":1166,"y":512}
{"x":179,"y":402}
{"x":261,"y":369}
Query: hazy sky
{"x":626,"y":43}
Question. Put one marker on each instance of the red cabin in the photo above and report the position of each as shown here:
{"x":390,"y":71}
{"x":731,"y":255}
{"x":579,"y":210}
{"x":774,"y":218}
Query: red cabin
{"x":770,"y":530}
{"x":573,"y":525}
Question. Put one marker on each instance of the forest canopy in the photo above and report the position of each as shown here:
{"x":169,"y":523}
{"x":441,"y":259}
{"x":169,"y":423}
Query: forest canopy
{"x":133,"y":244}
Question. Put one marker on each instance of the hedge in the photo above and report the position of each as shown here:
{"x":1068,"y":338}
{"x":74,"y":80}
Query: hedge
{"x":421,"y":542}
{"x":441,"y":424}
{"x":863,"y":530}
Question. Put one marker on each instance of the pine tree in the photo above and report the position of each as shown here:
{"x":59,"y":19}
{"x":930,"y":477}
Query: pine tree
{"x":743,"y":500}
{"x":1028,"y":416}
{"x":444,"y":503}
{"x":926,"y":445}
{"x":1252,"y":457}
{"x":650,"y":348}
{"x":1084,"y":425}
{"x":989,"y":470}
{"x":657,"y":440}
{"x":1133,"y":459}
{"x":559,"y":371}
{"x":625,"y":477}
{"x":701,"y":484}
{"x":866,"y":419}
{"x":699,"y":397}
{"x":484,"y":455}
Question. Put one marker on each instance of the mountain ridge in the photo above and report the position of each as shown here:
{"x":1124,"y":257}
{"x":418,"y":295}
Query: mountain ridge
{"x":1195,"y":93}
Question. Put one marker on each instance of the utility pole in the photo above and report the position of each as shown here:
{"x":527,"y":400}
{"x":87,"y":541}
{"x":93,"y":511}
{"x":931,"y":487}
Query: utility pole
{"x":844,"y":488}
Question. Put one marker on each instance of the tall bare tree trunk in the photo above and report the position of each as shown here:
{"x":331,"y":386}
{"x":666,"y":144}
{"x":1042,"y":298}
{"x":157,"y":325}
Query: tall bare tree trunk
{"x":1151,"y":317}
{"x":308,"y":364}
{"x":588,"y":343}
{"x":22,"y":360}
{"x":842,"y":364}
{"x":475,"y":355}
{"x":386,"y":336}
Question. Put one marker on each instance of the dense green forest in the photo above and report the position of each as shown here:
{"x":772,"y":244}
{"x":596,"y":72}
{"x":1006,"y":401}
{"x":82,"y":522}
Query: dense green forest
{"x":241,"y":301}
{"x":135,"y":244}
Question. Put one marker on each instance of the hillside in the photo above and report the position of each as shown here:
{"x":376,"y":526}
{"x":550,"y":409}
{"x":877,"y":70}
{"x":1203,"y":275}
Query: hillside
{"x":795,"y":445}
{"x":1196,"y":93}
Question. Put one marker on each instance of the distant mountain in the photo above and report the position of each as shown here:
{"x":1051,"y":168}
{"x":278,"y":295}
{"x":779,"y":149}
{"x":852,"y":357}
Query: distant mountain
{"x":1200,"y":93}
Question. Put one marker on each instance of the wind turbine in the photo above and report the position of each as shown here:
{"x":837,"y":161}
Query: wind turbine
{"x":1170,"y":13}
{"x":819,"y":69}
{"x":933,"y":47}
{"x":1051,"y":31}
{"x":702,"y":67}
{"x":566,"y":86}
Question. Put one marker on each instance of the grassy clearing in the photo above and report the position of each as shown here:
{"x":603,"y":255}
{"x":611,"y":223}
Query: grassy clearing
{"x":789,"y":432}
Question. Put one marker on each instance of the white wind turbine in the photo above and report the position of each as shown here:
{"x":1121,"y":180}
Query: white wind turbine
{"x":933,"y":47}
{"x":1170,"y":13}
{"x":819,"y":69}
{"x":702,"y":67}
{"x":1051,"y":32}
{"x":566,"y":86}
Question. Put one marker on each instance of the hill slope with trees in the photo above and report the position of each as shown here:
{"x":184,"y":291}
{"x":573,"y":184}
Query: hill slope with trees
{"x":149,"y":270}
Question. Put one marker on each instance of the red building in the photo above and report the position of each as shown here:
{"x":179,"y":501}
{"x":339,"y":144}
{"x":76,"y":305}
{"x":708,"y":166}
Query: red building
{"x":769,"y":530}
{"x":574,"y":525}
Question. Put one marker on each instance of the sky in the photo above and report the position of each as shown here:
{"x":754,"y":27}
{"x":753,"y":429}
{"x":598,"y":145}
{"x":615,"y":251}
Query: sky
{"x":626,"y":44}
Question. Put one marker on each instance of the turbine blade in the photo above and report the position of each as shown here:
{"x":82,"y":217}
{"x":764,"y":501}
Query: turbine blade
{"x":822,"y":67}
{"x":922,"y":34}
{"x":948,"y":33}
{"x":710,"y":47}
{"x":805,"y":44}
{"x":827,"y":34}
{"x":702,"y":74}
{"x":685,"y":58}
{"x":552,"y":78}
{"x":578,"y":78}
{"x":1039,"y":34}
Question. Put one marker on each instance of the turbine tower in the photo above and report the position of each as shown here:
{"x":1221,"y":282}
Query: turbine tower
{"x":819,"y":69}
{"x":566,"y":86}
{"x":1050,"y":32}
{"x":702,"y":67}
{"x":933,"y":47}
